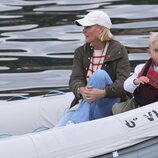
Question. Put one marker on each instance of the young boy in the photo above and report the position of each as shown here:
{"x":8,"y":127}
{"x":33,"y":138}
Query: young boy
{"x":143,"y":83}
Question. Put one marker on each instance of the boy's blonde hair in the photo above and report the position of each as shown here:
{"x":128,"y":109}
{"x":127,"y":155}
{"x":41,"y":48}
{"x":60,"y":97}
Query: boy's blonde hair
{"x":105,"y":35}
{"x":153,"y":38}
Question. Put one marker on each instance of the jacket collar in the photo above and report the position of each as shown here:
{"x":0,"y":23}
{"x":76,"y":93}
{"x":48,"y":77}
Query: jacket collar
{"x":113,"y":53}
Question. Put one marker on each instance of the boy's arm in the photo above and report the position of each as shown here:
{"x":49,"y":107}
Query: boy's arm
{"x":129,"y":85}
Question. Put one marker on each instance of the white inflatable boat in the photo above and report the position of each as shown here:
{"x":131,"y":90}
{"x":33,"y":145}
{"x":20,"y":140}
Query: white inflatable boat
{"x":26,"y":131}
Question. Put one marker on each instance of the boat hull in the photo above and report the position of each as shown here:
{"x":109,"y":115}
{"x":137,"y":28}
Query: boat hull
{"x":95,"y":138}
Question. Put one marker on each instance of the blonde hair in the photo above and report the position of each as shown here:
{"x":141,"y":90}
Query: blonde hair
{"x":105,"y":35}
{"x":153,"y":38}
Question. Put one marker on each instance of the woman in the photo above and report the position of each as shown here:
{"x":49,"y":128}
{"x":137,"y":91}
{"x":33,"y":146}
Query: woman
{"x":99,"y":70}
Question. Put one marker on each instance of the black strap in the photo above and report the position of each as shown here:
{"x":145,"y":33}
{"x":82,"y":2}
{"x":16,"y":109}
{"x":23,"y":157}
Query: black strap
{"x":147,"y":66}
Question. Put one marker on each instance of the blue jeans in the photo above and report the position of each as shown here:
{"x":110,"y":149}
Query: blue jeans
{"x":96,"y":109}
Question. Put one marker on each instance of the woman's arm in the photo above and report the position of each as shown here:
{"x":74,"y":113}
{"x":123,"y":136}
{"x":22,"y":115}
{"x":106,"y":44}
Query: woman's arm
{"x":78,"y":77}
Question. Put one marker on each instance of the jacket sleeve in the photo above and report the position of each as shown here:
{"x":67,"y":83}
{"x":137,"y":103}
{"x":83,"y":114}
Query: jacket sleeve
{"x":77,"y":77}
{"x":122,"y":73}
{"x":129,"y":86}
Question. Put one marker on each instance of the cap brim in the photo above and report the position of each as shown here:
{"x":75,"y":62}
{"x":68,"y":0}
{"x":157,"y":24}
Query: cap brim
{"x":77,"y":23}
{"x":83,"y":22}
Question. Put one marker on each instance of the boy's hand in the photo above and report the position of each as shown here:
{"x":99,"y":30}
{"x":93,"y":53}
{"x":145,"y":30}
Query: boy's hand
{"x":141,"y":80}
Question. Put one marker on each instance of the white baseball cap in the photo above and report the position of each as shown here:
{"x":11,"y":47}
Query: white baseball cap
{"x":95,"y":17}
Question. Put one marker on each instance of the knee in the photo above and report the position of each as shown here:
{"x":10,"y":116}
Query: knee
{"x":101,"y":75}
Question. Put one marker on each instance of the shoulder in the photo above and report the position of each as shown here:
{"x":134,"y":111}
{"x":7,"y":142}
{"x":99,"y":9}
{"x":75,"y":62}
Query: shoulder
{"x":117,"y":47}
{"x":138,"y":68}
{"x":83,"y":50}
{"x":116,"y":50}
{"x":82,"y":47}
{"x":116,"y":44}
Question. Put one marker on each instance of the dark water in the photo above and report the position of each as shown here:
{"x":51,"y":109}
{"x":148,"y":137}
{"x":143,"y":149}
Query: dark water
{"x":38,"y":38}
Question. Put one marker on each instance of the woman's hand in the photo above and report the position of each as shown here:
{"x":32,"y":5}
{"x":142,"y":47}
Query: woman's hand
{"x":91,"y":94}
{"x":141,"y":80}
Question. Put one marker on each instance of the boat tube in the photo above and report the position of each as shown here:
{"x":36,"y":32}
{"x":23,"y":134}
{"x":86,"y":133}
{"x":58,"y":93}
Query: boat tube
{"x":98,"y":138}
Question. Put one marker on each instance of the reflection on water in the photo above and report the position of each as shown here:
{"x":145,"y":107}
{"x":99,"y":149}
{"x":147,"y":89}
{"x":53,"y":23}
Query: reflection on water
{"x":38,"y":38}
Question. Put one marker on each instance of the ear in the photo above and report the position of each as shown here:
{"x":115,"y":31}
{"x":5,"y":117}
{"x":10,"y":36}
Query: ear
{"x":100,"y":28}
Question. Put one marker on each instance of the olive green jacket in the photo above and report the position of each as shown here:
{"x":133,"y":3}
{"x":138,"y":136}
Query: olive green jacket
{"x":116,"y":64}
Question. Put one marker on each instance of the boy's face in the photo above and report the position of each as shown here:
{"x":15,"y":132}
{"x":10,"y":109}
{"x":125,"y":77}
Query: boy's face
{"x":153,"y":52}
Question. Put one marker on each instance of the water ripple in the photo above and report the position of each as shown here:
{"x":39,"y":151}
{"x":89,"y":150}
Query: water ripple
{"x":17,"y":28}
{"x":38,"y":38}
{"x":8,"y":8}
{"x":132,"y":11}
{"x":25,"y":2}
{"x":52,"y":78}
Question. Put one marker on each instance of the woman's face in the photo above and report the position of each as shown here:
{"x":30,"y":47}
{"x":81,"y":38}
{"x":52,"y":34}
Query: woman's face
{"x":91,"y":33}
